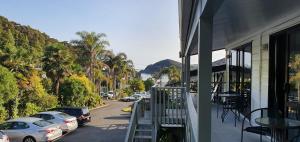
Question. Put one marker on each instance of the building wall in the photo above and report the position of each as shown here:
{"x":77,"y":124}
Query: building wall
{"x":260,"y":58}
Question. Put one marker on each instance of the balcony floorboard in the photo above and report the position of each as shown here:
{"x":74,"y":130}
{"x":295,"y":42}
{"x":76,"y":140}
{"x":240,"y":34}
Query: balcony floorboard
{"x":226,"y":132}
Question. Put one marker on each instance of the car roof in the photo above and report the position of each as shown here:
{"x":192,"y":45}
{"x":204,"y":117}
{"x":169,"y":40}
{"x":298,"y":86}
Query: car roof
{"x":25,"y":119}
{"x":49,"y":112}
{"x":71,"y":108}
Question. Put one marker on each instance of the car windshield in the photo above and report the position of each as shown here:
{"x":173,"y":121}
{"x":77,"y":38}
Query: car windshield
{"x":42,"y":123}
{"x":63,"y":115}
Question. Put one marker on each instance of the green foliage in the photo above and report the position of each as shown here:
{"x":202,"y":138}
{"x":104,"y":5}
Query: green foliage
{"x":57,"y":61}
{"x":27,"y":54}
{"x":148,"y":84}
{"x":36,"y":95}
{"x":31,"y":108}
{"x":173,"y":73}
{"x":78,"y":91}
{"x":8,"y":93}
{"x":128,"y":91}
{"x":73,"y":92}
{"x":90,"y":45}
{"x":137,"y":85}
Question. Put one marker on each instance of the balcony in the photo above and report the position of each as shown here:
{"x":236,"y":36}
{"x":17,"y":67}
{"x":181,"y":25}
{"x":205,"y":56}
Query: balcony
{"x":173,"y":108}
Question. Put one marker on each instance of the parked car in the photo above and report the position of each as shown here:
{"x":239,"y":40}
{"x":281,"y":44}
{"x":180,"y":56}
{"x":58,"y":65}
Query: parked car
{"x":3,"y":137}
{"x":31,"y":129}
{"x":110,"y":94}
{"x":82,"y":114}
{"x":67,"y":122}
{"x":104,"y":95}
{"x":137,"y":96}
{"x":128,"y":99}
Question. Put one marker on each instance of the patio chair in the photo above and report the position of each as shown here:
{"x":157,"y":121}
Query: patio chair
{"x":254,"y":128}
{"x":232,"y":104}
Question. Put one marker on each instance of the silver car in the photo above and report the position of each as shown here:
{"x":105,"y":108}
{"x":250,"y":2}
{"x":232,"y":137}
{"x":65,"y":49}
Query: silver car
{"x":30,"y":129}
{"x":3,"y":137}
{"x":66,"y":122}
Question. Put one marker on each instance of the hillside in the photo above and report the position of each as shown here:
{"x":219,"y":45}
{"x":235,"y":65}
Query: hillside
{"x":22,"y":41}
{"x":156,"y":67}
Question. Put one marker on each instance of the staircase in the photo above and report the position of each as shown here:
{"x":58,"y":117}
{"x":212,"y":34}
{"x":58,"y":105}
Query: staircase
{"x":143,"y":131}
{"x":140,"y":127}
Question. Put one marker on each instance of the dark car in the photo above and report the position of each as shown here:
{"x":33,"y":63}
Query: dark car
{"x":81,"y":113}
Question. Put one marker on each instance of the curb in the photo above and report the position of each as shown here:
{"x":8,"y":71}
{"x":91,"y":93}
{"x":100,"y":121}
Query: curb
{"x":100,"y":107}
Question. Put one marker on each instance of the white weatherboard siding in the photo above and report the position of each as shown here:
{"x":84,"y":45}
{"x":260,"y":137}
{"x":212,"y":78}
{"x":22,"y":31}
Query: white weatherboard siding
{"x":264,"y":73}
{"x":255,"y":76}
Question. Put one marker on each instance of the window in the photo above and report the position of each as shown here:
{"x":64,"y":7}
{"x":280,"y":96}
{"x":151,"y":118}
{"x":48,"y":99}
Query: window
{"x":20,"y":125}
{"x":240,"y":67}
{"x":42,"y":123}
{"x":63,"y":115}
{"x":47,"y":116}
{"x":6,"y":126}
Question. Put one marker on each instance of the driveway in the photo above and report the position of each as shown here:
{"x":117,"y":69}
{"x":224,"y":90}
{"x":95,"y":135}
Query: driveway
{"x":109,"y":124}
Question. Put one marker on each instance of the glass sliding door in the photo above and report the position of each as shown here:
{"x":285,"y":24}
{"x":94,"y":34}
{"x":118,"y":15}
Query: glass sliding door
{"x":240,"y":67}
{"x":284,"y":75}
{"x":293,"y":95}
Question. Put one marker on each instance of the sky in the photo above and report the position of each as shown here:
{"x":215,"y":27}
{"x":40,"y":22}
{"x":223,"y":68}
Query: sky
{"x":146,"y":30}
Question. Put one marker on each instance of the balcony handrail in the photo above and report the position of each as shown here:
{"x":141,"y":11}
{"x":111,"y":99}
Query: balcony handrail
{"x":191,"y":120}
{"x":133,"y":122}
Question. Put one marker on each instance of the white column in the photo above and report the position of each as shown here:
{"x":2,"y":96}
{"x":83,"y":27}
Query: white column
{"x":204,"y":78}
{"x":187,"y":72}
{"x":183,"y":72}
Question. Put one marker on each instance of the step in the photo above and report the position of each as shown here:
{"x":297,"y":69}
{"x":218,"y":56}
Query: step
{"x":172,"y":125}
{"x":142,"y":137}
{"x":143,"y":130}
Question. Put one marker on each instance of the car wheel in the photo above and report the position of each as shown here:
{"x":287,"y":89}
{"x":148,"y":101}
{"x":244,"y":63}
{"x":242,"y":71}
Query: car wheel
{"x":29,"y":139}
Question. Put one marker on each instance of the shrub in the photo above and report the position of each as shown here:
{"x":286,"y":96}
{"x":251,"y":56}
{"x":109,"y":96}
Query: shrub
{"x":77,"y":91}
{"x":35,"y":97}
{"x":31,"y":108}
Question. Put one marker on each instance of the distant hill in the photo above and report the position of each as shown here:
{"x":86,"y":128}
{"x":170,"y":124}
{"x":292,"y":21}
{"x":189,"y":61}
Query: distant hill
{"x":156,"y":67}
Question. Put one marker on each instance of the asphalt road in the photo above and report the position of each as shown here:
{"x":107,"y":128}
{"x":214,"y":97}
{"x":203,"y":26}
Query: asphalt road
{"x":109,"y":124}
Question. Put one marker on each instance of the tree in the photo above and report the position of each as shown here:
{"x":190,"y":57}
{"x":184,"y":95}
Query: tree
{"x":57,"y":62}
{"x":8,"y":49}
{"x":173,"y":73}
{"x":34,"y":97}
{"x":77,"y":91}
{"x":90,"y":46}
{"x":137,"y":85}
{"x":121,"y":68}
{"x":148,"y":84}
{"x":8,"y":94}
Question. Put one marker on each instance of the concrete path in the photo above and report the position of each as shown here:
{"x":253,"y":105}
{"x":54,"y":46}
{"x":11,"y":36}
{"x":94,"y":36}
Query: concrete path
{"x":109,"y":124}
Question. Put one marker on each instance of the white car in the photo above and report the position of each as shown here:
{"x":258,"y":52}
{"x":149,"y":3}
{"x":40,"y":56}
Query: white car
{"x":110,"y":94}
{"x":3,"y":137}
{"x":128,"y":99}
{"x":31,"y":129}
{"x":67,"y":122}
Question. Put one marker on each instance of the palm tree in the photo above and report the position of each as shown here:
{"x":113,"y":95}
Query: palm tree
{"x":91,"y":44}
{"x":121,"y":68}
{"x":57,"y":63}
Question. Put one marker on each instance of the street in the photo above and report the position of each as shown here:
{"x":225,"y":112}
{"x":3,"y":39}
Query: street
{"x":109,"y":124}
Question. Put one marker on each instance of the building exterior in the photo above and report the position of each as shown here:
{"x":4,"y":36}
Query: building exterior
{"x":261,"y":39}
{"x":262,"y":43}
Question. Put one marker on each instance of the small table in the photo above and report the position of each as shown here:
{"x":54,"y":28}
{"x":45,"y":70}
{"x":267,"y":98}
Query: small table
{"x":277,"y":126}
{"x":227,"y":96}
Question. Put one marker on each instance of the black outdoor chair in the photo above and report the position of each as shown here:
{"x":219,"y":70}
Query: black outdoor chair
{"x":232,"y":104}
{"x":256,"y":129}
